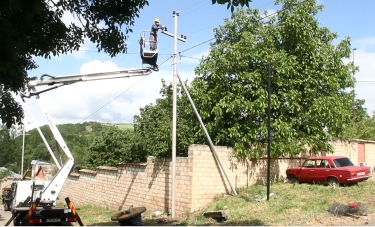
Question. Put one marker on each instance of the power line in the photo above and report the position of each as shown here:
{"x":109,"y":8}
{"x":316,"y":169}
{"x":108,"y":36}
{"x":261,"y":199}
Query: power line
{"x":268,"y":15}
{"x":182,"y":15}
{"x":183,"y":56}
{"x":120,"y":94}
{"x":200,"y":30}
{"x":197,"y":45}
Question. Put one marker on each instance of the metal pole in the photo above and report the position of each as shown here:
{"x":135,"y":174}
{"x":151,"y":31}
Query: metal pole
{"x":174,"y":117}
{"x":354,"y":49}
{"x":269,"y":131}
{"x":213,"y":149}
{"x":23,"y":147}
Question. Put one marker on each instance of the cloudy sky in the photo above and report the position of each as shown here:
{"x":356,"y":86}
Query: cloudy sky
{"x":119,"y":100}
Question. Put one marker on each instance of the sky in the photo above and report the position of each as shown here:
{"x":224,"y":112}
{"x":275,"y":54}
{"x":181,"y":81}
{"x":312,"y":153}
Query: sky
{"x":118,"y":100}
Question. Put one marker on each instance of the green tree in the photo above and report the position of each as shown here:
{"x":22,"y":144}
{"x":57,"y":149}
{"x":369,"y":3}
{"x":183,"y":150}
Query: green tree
{"x":153,"y":128}
{"x":113,"y":147}
{"x":361,"y":126}
{"x":359,"y":112}
{"x":34,"y":28}
{"x":310,"y":103}
{"x":8,"y":149}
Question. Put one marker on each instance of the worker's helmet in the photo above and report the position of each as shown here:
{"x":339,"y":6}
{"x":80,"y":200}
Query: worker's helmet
{"x":156,"y":20}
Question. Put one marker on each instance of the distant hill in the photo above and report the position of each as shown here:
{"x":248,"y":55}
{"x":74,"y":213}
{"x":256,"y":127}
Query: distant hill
{"x":123,"y":126}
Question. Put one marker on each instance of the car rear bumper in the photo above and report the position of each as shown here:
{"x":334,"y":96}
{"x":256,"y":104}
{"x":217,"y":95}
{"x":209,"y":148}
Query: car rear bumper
{"x":359,"y":178}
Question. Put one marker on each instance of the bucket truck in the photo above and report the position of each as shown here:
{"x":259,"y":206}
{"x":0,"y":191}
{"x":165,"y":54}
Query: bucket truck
{"x":35,"y":201}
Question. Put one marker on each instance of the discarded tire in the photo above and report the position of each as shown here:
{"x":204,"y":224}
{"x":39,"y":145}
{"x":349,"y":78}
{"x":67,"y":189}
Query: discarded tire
{"x":129,"y":217}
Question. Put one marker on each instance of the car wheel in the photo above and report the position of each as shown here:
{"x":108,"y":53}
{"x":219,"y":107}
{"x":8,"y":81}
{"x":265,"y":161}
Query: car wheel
{"x":332,"y":181}
{"x":292,"y":179}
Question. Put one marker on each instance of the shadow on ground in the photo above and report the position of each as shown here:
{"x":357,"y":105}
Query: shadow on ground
{"x":111,"y":223}
{"x":161,"y":222}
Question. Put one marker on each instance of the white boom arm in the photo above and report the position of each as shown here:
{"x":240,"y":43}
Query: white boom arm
{"x":41,"y":135}
{"x":51,"y":192}
{"x":89,"y":77}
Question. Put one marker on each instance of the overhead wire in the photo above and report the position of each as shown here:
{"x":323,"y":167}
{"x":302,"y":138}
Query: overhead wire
{"x":268,"y":15}
{"x":167,"y":21}
{"x":120,"y":94}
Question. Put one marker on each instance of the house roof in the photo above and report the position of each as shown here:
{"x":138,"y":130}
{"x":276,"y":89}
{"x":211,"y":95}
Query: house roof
{"x":37,"y":162}
{"x":11,"y":173}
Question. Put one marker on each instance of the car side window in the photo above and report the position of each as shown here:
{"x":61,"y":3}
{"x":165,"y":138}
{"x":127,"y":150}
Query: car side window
{"x":322,"y":164}
{"x":309,"y":164}
{"x":327,"y":164}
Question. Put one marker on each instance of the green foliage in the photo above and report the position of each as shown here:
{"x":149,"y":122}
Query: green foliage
{"x":77,"y":137}
{"x":34,"y":28}
{"x":8,"y":149}
{"x":113,"y":147}
{"x":309,"y":99}
{"x":153,"y":126}
{"x":4,"y":173}
{"x":10,"y":110}
{"x":361,"y":126}
{"x":128,"y":126}
{"x":232,"y":3}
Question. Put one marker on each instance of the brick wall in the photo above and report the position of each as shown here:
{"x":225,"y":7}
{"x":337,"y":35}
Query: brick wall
{"x":198,"y":180}
{"x":350,"y":149}
{"x":138,"y":184}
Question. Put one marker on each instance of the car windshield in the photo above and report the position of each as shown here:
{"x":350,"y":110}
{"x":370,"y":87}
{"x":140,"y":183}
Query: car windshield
{"x":342,"y":162}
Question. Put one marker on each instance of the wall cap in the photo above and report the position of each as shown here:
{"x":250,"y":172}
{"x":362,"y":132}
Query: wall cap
{"x":109,"y":168}
{"x":74,"y":175}
{"x":140,"y":164}
{"x":88,"y":171}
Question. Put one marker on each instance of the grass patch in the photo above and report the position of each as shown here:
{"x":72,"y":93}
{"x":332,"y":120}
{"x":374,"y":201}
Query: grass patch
{"x":123,"y":126}
{"x":96,"y":216}
{"x":298,"y":204}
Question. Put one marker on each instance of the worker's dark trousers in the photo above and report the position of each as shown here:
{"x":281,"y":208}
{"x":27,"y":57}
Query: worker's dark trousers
{"x":153,"y":40}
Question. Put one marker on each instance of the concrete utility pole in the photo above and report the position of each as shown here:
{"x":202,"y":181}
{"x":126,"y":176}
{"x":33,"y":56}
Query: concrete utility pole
{"x":23,"y":147}
{"x":174,"y":118}
{"x":354,"y":49}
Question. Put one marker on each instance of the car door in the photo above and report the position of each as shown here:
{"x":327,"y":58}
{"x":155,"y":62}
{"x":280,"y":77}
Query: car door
{"x":322,"y":170}
{"x":307,"y":171}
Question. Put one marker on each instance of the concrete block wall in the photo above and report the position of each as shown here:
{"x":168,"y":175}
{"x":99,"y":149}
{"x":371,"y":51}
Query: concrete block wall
{"x":350,"y":149}
{"x":209,"y":180}
{"x":199,"y":178}
{"x":370,"y":155}
{"x":137,"y":184}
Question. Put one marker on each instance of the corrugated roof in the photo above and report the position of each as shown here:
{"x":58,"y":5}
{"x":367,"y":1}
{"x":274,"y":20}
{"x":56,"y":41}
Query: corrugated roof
{"x":37,"y":162}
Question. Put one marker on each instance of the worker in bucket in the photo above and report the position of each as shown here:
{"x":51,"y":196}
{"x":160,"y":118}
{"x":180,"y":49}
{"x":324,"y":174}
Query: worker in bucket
{"x":154,"y":33}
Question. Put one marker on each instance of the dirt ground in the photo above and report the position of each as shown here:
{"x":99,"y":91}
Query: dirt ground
{"x":5,"y":216}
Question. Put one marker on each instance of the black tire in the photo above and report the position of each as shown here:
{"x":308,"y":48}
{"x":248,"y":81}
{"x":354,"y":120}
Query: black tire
{"x":332,"y":181}
{"x":292,"y":179}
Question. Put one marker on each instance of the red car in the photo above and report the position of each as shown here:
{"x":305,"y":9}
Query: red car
{"x":328,"y":169}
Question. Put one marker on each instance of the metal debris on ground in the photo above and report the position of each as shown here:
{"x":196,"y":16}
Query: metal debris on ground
{"x":129,"y":217}
{"x":265,"y":197}
{"x":219,"y":215}
{"x":354,"y":209}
